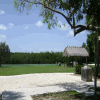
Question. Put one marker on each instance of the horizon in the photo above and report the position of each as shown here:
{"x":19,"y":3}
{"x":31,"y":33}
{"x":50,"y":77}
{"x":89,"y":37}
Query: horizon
{"x":27,"y":33}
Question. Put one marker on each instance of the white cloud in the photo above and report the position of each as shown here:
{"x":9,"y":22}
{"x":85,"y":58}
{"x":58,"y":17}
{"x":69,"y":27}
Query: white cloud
{"x":2,"y":37}
{"x":70,"y":33}
{"x":10,"y":25}
{"x":39,"y":23}
{"x":2,"y":12}
{"x":26,"y":27}
{"x":63,"y":28}
{"x":3,"y":27}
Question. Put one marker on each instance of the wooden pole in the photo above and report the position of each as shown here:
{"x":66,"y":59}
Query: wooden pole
{"x":72,"y":61}
{"x":64,"y":61}
{"x":86,"y":61}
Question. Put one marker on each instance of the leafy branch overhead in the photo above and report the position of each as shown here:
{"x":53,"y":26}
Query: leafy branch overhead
{"x":71,"y":10}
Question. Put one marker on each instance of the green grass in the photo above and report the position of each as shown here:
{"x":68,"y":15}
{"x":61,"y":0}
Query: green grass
{"x":7,"y":71}
{"x":66,"y":95}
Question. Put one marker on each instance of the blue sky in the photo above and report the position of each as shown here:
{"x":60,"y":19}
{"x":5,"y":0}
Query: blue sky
{"x":27,"y":33}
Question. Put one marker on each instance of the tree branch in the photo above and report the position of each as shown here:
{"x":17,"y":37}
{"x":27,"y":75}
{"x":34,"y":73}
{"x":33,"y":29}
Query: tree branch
{"x":80,"y":27}
{"x":53,"y":11}
{"x":88,"y":27}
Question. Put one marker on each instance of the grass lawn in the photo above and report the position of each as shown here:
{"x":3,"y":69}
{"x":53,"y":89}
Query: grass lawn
{"x":7,"y":71}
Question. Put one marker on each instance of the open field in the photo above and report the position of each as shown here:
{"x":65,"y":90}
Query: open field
{"x":18,"y":69}
{"x":25,"y":69}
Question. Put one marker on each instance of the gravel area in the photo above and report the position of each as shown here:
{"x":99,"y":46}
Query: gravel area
{"x":36,"y":80}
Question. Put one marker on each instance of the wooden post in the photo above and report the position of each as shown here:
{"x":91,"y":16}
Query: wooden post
{"x":64,"y":61}
{"x":86,"y":61}
{"x":72,"y":61}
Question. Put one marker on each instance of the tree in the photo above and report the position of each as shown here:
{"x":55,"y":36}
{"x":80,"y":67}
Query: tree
{"x":91,"y":45}
{"x":87,"y":48}
{"x":74,"y":9}
{"x":4,"y":52}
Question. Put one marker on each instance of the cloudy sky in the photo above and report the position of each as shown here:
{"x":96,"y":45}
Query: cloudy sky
{"x":27,"y":33}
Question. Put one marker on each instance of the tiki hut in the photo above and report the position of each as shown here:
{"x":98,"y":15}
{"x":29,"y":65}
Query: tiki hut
{"x":75,"y":52}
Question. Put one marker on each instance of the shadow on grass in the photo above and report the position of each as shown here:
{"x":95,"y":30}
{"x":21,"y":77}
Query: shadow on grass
{"x":70,"y":93}
{"x":72,"y":90}
{"x":65,"y":95}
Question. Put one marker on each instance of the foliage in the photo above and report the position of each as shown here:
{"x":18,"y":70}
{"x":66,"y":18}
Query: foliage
{"x":93,"y":13}
{"x":85,"y":46}
{"x":91,"y":45}
{"x":4,"y":53}
{"x":93,"y":70}
{"x":36,"y":58}
{"x":78,"y":69}
{"x":42,"y":58}
{"x":71,"y":10}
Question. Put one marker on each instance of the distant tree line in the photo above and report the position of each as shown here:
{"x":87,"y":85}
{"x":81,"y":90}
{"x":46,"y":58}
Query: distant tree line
{"x":40,"y":58}
{"x":7,"y":57}
{"x":35,"y":58}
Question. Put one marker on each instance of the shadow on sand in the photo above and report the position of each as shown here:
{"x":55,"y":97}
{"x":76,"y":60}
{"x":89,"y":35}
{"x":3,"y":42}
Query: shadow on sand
{"x":11,"y":95}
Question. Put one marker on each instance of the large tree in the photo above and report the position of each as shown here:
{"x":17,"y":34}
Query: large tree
{"x":4,"y":53}
{"x":91,"y":45}
{"x":71,"y":10}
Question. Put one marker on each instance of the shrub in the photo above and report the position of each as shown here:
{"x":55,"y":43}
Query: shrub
{"x":78,"y":69}
{"x":93,"y":71}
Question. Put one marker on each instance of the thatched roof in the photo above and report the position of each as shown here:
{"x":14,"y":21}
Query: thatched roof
{"x":75,"y":51}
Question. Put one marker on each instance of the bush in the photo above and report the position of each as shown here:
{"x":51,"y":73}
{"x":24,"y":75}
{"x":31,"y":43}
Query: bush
{"x":93,"y":71}
{"x":78,"y":69}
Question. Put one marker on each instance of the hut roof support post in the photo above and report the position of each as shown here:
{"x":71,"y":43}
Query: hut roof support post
{"x":86,"y":61}
{"x":72,"y":61}
{"x":64,"y":61}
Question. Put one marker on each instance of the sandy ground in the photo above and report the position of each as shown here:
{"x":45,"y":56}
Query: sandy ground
{"x":36,"y":80}
{"x":22,"y":86}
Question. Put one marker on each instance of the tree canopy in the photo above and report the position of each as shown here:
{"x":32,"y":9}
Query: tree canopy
{"x":71,"y":10}
{"x":4,"y":53}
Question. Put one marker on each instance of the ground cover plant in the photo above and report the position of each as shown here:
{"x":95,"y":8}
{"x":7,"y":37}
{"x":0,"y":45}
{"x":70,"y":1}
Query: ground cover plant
{"x":18,"y":70}
{"x":66,"y":95}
